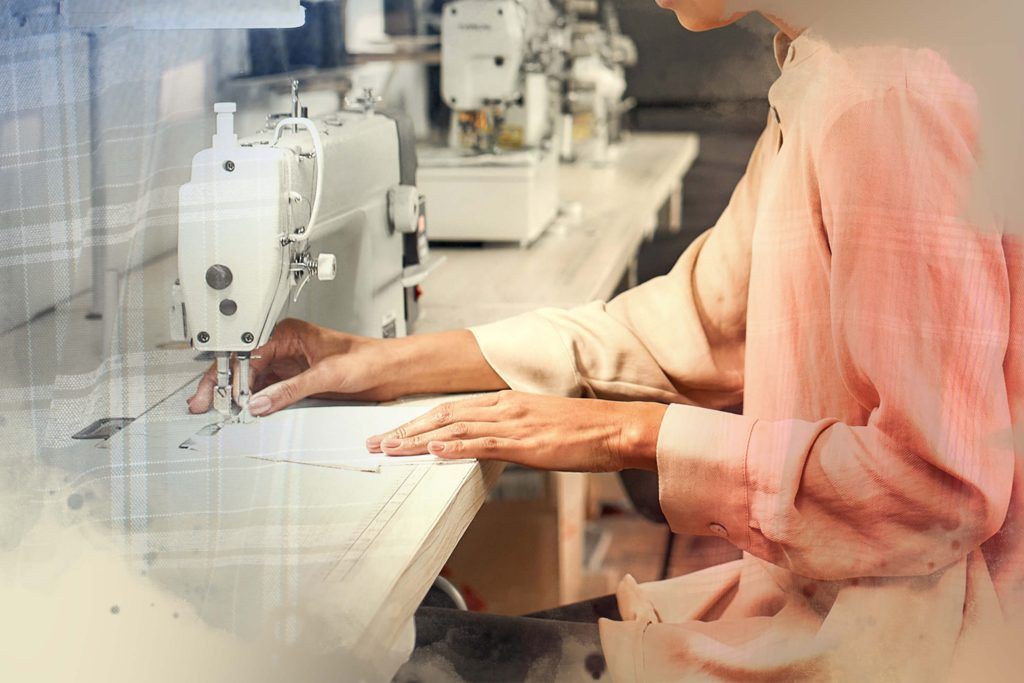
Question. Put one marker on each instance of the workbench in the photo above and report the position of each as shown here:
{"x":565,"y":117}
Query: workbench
{"x":577,"y":260}
{"x":254,"y":567}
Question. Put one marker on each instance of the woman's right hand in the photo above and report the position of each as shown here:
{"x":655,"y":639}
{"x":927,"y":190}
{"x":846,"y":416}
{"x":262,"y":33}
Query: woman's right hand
{"x":305,"y":360}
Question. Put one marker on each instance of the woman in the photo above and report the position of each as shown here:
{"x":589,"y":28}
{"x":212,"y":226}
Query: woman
{"x":866,"y":327}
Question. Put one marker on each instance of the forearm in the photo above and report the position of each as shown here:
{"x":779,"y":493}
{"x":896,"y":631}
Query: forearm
{"x":438,"y":363}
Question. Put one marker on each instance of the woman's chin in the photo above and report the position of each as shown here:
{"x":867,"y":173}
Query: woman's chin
{"x":701,"y":24}
{"x":695,"y":24}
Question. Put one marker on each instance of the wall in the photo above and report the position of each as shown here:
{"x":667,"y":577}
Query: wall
{"x":95,"y":163}
{"x":680,"y":74}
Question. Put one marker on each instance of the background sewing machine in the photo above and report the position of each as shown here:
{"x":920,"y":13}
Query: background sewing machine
{"x":594,"y":81}
{"x":498,"y":178}
{"x":332,"y":199}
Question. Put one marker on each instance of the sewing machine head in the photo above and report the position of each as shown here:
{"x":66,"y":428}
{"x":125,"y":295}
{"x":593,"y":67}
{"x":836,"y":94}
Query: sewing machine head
{"x":496,"y":58}
{"x":263,"y":216}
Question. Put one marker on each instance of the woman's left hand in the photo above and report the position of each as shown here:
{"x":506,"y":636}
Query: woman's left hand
{"x":544,"y":432}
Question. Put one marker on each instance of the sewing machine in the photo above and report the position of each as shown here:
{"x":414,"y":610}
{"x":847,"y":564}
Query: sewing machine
{"x":332,"y":199}
{"x":498,"y":178}
{"x":595,"y":81}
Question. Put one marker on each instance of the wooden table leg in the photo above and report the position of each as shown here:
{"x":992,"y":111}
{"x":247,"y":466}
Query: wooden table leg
{"x":570,"y":489}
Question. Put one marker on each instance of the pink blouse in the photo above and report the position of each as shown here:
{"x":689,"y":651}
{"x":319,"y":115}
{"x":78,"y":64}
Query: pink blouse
{"x":873,"y":333}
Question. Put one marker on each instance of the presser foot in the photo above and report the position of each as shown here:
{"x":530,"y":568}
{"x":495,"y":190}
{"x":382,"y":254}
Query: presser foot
{"x":236,"y":412}
{"x":222,"y":402}
{"x":243,"y":415}
{"x":232,"y":410}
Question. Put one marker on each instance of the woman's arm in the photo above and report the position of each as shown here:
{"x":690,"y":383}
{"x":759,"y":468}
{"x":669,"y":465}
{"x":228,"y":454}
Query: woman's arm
{"x":444,"y":362}
{"x":677,"y":338}
{"x":302,"y":359}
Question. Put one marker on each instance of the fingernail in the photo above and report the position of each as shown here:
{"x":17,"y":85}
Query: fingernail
{"x":390,"y":443}
{"x":436,"y":447}
{"x":373,"y":441}
{"x":259,"y":405}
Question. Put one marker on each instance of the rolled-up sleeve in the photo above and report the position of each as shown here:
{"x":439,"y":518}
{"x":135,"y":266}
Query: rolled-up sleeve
{"x":675,"y":339}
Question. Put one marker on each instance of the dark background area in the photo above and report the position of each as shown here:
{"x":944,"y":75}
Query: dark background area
{"x":686,"y":80}
{"x":713,"y":83}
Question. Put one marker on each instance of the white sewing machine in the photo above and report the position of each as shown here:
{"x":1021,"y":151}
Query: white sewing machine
{"x":498,"y":178}
{"x":332,"y":199}
{"x":595,"y":81}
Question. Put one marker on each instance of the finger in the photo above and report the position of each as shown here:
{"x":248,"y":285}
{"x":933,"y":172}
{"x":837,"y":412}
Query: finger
{"x":285,"y":341}
{"x":202,"y":399}
{"x":482,"y":448}
{"x":417,"y":444}
{"x":264,"y":380}
{"x":264,"y":355}
{"x":470,"y":409}
{"x":284,"y":394}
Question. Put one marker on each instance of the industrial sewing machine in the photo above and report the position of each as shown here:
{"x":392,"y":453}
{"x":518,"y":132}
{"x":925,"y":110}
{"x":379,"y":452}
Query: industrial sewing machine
{"x":498,"y":178}
{"x":332,"y":199}
{"x":595,"y":81}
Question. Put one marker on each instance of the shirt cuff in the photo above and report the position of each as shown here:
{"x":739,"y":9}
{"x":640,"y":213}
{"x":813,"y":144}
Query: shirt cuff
{"x":702,"y":472}
{"x":529,"y":354}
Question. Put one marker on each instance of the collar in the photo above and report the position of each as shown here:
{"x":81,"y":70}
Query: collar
{"x":782,"y":44}
{"x":790,"y":50}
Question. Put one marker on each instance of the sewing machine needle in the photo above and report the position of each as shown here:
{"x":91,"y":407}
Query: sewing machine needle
{"x":222,"y":392}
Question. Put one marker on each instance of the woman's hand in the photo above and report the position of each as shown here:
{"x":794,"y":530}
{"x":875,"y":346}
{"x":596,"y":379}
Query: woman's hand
{"x":303,"y":360}
{"x":544,"y":432}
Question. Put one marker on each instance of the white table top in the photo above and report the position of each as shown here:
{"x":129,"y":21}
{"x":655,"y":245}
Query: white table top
{"x":253,"y":567}
{"x":570,"y":264}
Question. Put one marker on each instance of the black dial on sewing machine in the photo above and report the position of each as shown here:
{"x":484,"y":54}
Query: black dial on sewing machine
{"x":219,"y":276}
